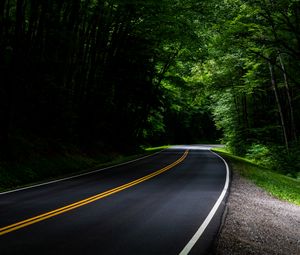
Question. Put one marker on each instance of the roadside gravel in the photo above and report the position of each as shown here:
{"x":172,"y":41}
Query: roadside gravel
{"x":257,"y":223}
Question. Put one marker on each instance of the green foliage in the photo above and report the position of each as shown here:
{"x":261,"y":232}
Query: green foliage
{"x":261,"y":155}
{"x":257,"y":110}
{"x":287,"y":163}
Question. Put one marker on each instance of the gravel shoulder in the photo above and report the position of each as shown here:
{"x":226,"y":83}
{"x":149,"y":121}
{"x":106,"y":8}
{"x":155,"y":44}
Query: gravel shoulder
{"x":257,"y":223}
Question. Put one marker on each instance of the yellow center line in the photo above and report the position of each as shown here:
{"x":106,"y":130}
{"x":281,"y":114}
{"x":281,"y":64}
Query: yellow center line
{"x":50,"y":214}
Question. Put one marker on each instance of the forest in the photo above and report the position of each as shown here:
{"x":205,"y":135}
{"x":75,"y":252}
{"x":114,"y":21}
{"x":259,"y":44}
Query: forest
{"x":114,"y":75}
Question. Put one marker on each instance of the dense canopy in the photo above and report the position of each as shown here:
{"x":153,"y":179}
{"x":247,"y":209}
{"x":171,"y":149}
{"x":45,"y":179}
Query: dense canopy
{"x":117,"y":74}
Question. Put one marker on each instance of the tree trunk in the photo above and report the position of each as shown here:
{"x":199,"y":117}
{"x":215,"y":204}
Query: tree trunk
{"x":291,"y":108}
{"x":275,"y":89}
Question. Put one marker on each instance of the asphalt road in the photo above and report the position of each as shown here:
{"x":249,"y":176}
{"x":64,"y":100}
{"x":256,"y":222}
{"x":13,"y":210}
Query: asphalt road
{"x":162,"y":204}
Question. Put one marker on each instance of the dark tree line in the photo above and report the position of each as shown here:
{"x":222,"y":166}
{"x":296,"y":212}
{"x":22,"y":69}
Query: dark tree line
{"x":77,"y":71}
{"x":88,"y":72}
{"x":120,"y":73}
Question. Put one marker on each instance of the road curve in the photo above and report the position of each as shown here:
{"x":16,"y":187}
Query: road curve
{"x":168,"y":203}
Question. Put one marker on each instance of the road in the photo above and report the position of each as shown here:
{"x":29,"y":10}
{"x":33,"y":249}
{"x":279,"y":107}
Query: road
{"x":167,"y":203}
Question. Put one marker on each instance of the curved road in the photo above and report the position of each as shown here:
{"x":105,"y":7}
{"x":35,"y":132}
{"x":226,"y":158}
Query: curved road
{"x":167,"y":203}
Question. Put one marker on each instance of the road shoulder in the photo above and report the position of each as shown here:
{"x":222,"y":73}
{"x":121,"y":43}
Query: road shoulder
{"x":257,"y":223}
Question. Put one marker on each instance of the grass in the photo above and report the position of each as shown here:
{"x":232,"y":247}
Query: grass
{"x":42,"y":169}
{"x":278,"y":185}
{"x":157,"y":148}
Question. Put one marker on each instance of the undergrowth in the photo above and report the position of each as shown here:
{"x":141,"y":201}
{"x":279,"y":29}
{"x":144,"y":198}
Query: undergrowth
{"x":278,"y":185}
{"x":43,"y":168}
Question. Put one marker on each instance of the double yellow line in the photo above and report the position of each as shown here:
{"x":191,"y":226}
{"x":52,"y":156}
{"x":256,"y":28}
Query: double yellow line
{"x":44,"y":216}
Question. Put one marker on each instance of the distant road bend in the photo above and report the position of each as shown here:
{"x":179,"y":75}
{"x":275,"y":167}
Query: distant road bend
{"x":168,"y":203}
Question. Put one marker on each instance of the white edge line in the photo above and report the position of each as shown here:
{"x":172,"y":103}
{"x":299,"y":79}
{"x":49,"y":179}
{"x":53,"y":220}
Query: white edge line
{"x":211,"y":214}
{"x":79,"y":175}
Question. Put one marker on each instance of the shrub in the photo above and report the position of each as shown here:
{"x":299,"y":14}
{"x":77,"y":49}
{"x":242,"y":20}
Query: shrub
{"x":261,"y":155}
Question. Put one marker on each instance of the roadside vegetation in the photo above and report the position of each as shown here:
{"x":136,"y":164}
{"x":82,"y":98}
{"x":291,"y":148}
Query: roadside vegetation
{"x":277,"y":184}
{"x":46,"y":168}
{"x":151,"y":149}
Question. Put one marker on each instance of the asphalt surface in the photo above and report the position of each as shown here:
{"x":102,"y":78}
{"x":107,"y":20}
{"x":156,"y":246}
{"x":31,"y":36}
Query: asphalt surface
{"x":156,"y":216}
